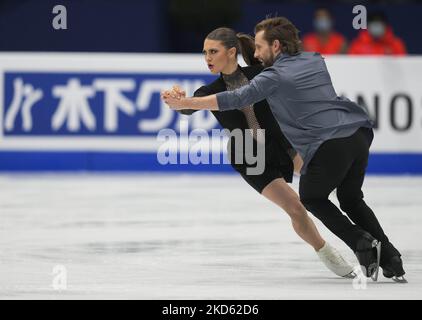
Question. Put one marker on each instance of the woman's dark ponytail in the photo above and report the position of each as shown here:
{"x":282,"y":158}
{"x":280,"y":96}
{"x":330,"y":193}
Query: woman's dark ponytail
{"x":243,"y":43}
{"x":247,"y":47}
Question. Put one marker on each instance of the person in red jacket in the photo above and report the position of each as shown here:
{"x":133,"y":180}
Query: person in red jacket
{"x":324,"y":40}
{"x":378,"y":39}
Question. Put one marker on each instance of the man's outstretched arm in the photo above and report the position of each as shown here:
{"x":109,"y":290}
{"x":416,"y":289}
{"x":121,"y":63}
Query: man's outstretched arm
{"x":261,"y":87}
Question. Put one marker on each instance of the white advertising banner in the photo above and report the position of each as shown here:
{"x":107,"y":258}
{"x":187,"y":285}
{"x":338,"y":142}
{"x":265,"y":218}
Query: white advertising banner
{"x":99,"y":102}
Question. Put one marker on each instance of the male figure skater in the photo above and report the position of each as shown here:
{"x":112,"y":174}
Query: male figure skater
{"x":331,"y":133}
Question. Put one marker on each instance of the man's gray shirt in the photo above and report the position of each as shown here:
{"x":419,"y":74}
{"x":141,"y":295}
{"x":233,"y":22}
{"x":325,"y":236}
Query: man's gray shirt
{"x":302,"y":98}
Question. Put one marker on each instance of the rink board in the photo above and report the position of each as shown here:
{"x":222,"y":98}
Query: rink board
{"x":102,"y":112}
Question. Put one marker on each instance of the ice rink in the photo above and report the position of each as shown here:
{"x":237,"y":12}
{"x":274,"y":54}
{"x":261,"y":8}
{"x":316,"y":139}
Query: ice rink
{"x":77,"y":236}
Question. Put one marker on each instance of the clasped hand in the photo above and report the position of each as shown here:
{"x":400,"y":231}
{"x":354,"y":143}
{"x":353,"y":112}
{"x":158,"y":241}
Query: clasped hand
{"x":174,"y":97}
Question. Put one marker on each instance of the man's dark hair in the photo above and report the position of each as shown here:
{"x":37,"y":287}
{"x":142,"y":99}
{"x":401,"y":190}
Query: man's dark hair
{"x":281,"y":29}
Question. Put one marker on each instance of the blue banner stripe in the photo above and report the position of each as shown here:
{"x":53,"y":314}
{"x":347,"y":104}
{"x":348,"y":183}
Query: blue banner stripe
{"x":395,"y":163}
{"x":379,"y":163}
{"x":96,"y":161}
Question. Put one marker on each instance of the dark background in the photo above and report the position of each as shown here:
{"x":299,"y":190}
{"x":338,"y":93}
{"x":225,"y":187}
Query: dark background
{"x":175,"y":25}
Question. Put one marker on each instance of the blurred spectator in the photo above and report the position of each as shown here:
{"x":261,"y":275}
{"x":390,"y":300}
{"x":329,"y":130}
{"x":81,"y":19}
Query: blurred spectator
{"x":324,"y":40}
{"x":377,"y":39}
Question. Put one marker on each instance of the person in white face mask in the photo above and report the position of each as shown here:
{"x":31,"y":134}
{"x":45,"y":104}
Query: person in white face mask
{"x":324,"y":39}
{"x":378,"y":39}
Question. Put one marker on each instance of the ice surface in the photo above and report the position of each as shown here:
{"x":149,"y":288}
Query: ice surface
{"x":182,"y":237}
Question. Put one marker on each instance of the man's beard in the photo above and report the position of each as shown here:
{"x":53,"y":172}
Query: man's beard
{"x":268,"y":62}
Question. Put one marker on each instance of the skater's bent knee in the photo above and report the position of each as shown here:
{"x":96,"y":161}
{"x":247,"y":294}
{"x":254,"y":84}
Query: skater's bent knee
{"x":296,"y":210}
{"x":350,"y":204}
{"x":311,"y":202}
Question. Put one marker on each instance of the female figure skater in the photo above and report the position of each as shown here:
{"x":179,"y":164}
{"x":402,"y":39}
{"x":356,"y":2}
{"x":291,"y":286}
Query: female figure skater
{"x":221,"y":48}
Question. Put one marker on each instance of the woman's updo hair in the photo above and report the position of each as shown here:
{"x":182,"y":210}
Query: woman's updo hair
{"x":243,"y":43}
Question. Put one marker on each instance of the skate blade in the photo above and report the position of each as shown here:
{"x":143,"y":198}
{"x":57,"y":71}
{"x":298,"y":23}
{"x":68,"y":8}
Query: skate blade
{"x":350,"y":275}
{"x":400,"y":279}
{"x":376,"y":267}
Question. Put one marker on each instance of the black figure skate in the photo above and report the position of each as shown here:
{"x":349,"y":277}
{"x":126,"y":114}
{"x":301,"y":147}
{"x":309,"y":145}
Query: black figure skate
{"x":393,"y":269}
{"x":368,"y":252}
